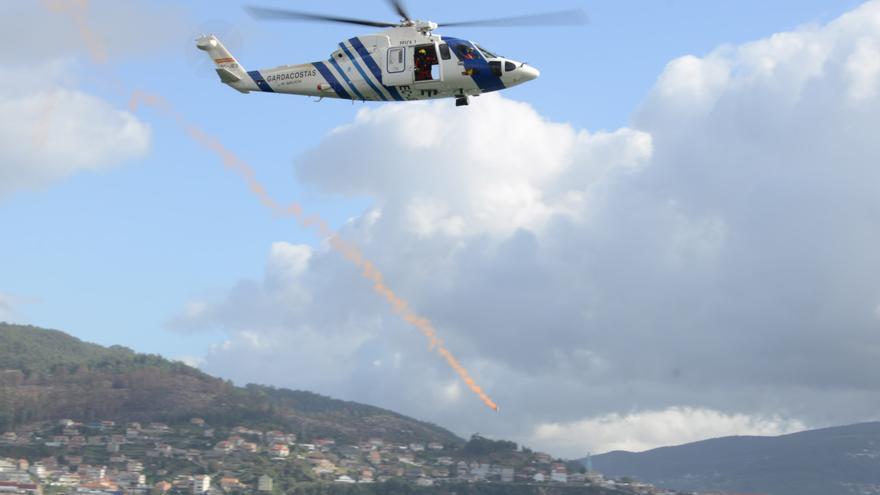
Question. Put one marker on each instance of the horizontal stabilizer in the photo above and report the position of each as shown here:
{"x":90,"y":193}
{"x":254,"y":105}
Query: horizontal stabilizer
{"x":227,"y":67}
{"x":227,"y":75}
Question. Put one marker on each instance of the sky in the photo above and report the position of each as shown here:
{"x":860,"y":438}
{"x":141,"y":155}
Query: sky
{"x":669,"y":236}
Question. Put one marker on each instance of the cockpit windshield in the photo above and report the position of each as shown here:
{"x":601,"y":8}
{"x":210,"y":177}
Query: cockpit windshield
{"x":487,"y":53}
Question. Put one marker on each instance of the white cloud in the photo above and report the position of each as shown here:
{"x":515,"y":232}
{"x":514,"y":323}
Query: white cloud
{"x":469,"y":173}
{"x":716,"y":254}
{"x":55,"y":130}
{"x":863,"y":69}
{"x":645,"y":430}
{"x":7,"y":307}
{"x":58,"y":132}
{"x":194,"y":361}
{"x":10,"y":307}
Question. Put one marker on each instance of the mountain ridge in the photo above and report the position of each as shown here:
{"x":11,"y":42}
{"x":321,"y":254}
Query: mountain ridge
{"x":839,"y":460}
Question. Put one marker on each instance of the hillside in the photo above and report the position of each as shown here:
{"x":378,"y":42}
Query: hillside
{"x":840,"y":460}
{"x":47,"y":374}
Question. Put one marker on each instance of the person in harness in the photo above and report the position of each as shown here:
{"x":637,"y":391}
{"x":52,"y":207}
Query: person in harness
{"x":424,"y":60}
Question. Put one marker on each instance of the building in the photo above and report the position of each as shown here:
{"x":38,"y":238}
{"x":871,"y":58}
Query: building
{"x":67,"y":479}
{"x":230,"y":483}
{"x":201,"y":484}
{"x":162,"y":486}
{"x":23,"y":488}
{"x":507,"y":474}
{"x":7,"y":465}
{"x":223,"y":446}
{"x":280,"y":450}
{"x":264,"y":483}
{"x":93,"y":473}
{"x":38,"y":470}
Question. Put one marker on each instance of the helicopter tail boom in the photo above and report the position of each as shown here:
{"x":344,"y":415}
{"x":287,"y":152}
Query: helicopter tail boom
{"x":228,"y":69}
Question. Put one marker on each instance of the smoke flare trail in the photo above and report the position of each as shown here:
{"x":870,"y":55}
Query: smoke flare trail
{"x":77,"y":10}
{"x":348,"y":251}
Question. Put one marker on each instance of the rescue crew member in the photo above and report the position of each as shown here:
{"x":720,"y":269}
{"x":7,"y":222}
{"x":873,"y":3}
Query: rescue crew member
{"x":467,"y":52}
{"x":423,"y":65}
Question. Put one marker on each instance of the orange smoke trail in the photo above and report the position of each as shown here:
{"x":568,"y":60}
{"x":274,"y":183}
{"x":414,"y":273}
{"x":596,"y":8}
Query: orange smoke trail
{"x":348,"y":251}
{"x":77,"y":10}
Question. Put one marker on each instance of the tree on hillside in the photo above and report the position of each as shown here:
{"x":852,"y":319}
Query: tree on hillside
{"x":479,"y":445}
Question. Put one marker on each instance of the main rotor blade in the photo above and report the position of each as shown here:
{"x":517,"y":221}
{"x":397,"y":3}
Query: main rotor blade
{"x":400,"y":9}
{"x":267,"y":13}
{"x":562,"y":18}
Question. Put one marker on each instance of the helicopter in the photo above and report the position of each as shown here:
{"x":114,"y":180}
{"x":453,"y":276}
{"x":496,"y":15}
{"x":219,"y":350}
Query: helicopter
{"x":405,"y":62}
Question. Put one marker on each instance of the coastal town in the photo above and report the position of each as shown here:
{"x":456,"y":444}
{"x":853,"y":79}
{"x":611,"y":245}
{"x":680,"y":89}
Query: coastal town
{"x":194,"y":457}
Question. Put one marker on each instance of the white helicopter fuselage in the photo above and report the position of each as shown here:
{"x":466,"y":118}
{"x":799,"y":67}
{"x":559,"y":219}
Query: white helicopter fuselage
{"x":402,"y":63}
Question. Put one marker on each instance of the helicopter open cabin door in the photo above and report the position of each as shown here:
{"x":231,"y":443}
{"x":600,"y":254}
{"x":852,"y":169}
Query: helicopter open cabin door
{"x":426,"y":64}
{"x":398,"y":68}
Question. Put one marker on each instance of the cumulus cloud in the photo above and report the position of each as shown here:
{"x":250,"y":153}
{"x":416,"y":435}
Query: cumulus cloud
{"x":710,"y":266}
{"x":645,"y":430}
{"x":7,"y":307}
{"x":59,"y":130}
{"x":10,"y":307}
{"x":194,"y":361}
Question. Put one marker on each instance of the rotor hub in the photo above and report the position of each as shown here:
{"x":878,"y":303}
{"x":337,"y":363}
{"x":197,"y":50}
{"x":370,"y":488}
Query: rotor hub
{"x":424,"y":26}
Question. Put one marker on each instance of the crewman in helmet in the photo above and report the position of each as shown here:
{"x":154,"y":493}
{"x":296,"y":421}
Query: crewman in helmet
{"x":423,"y":65}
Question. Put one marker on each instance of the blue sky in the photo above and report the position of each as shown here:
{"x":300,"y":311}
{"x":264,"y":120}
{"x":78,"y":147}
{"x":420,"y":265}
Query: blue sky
{"x":113,"y":256}
{"x":110,"y":256}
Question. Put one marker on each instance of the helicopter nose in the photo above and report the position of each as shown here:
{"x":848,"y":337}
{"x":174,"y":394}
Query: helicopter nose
{"x":529,"y":72}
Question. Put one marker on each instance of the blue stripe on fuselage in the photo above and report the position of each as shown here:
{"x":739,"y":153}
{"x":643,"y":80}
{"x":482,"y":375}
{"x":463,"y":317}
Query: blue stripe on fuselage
{"x":347,"y":80}
{"x":482,"y":73}
{"x":368,"y":59}
{"x":261,"y":83}
{"x":334,"y":83}
{"x":361,"y":70}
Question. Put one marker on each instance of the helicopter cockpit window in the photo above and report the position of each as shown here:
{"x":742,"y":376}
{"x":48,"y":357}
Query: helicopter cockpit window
{"x":487,"y":53}
{"x":495,"y":66}
{"x":444,"y":51}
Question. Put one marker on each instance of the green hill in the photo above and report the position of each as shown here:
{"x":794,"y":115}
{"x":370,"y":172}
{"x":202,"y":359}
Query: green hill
{"x":47,"y":374}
